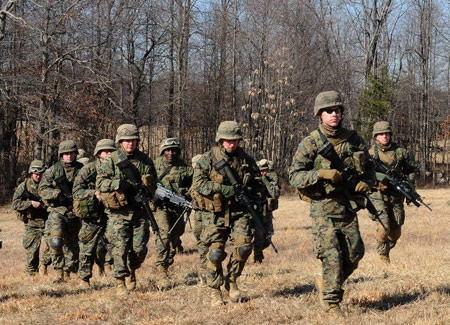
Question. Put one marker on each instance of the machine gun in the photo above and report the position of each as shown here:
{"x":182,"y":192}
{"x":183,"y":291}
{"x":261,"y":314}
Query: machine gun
{"x":242,"y":197}
{"x":163,"y":194}
{"x":400,"y":184}
{"x":349,"y":175}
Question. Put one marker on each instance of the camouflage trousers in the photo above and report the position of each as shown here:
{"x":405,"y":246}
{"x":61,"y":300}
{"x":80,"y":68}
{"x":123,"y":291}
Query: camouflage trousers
{"x":166,"y":250}
{"x":128,"y":241}
{"x":32,"y":237}
{"x":215,"y":234}
{"x":202,"y":248}
{"x":92,"y":247}
{"x":260,"y":243}
{"x":68,"y":228}
{"x":338,"y":244}
{"x":392,"y":218}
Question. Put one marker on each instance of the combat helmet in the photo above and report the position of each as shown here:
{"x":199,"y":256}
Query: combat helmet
{"x":127,"y":132}
{"x":169,"y":143}
{"x":104,"y":144}
{"x":229,"y":130}
{"x":263,"y":164}
{"x":67,"y":146}
{"x":381,"y":127}
{"x":36,"y":167}
{"x":327,"y":99}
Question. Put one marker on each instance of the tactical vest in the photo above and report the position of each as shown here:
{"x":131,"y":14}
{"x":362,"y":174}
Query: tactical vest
{"x":89,"y":208}
{"x":32,"y":217}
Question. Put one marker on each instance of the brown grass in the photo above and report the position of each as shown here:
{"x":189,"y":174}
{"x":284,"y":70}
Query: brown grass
{"x":415,"y":289}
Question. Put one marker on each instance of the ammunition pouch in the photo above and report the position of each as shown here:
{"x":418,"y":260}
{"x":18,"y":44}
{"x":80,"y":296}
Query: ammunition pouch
{"x":22,"y":216}
{"x":272,"y":204}
{"x":214,"y":202}
{"x":359,"y":161}
{"x":149,"y":184}
{"x":88,"y":208}
{"x":314,"y":192}
{"x":198,"y":199}
{"x":114,"y":200}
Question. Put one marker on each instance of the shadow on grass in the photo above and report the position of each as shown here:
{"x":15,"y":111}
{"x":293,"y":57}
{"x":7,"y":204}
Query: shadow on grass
{"x":62,"y":292}
{"x":295,"y":291}
{"x":11,"y":296}
{"x":392,"y":301}
{"x":359,"y":280}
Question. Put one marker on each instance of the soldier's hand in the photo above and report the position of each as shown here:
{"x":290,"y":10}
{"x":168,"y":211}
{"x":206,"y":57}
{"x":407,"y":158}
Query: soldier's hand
{"x":383,"y":187}
{"x":227,"y":191}
{"x":97,"y":195}
{"x":362,"y":187}
{"x":332,"y":175}
{"x":36,"y":204}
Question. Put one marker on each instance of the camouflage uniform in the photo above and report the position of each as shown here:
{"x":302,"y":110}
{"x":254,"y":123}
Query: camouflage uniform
{"x":93,"y":218}
{"x":336,"y":238}
{"x":176,"y":177}
{"x":386,"y":199}
{"x":127,"y":228}
{"x":225,"y":217}
{"x":202,"y":248}
{"x":34,"y":220}
{"x":269,"y":200}
{"x":62,"y":224}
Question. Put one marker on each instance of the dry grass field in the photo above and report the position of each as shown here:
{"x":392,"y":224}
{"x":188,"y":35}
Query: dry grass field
{"x":415,"y":289}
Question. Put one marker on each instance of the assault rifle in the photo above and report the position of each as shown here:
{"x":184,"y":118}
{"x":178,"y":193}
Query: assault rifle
{"x":400,"y":184}
{"x":30,"y":196}
{"x":349,"y":175}
{"x":140,"y":196}
{"x":163,"y":194}
{"x":242,"y":197}
{"x":66,"y":190}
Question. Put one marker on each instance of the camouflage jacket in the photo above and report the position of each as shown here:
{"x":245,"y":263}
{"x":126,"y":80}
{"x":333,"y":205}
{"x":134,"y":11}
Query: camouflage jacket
{"x":84,"y":191}
{"x":31,"y":216}
{"x":109,"y":176}
{"x":49,"y":190}
{"x":333,"y":200}
{"x":397,"y":158}
{"x":269,"y":193}
{"x":207,"y":180}
{"x":178,"y":179}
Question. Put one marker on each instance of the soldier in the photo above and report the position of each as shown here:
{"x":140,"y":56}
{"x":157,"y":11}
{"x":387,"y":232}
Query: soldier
{"x":175,"y":175}
{"x":225,"y":217}
{"x":269,"y":199}
{"x":55,"y":189}
{"x":386,"y":199}
{"x":22,"y":178}
{"x":127,"y":229}
{"x":31,"y":210}
{"x":336,"y":237}
{"x":88,"y":206}
{"x":82,"y":157}
{"x":202,"y":248}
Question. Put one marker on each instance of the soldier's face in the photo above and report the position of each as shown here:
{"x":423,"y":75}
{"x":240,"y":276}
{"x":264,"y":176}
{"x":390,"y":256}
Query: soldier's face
{"x":331,"y":116}
{"x":129,"y":145}
{"x":36,"y":177}
{"x":104,"y":154}
{"x":264,"y":172}
{"x":230,"y":145}
{"x":171,"y":154}
{"x":69,"y":156}
{"x":383,"y":138}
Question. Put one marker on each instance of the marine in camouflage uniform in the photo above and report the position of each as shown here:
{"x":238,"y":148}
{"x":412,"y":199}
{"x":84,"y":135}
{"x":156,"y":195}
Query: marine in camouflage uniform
{"x":225,"y":217}
{"x":202,"y":248}
{"x":33,"y":214}
{"x":127,"y":228}
{"x":88,"y":207}
{"x":175,"y":175}
{"x":336,"y":238}
{"x":385,"y":198}
{"x":55,"y":189}
{"x":269,"y":200}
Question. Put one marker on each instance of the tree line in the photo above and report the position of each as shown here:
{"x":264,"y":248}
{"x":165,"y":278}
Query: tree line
{"x":77,"y":69}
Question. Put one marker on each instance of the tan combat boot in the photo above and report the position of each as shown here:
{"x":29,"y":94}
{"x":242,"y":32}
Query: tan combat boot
{"x":121,"y":289}
{"x":216,"y":297}
{"x":130,"y":281}
{"x":335,"y":310}
{"x":233,"y":291}
{"x":42,"y":270}
{"x":163,"y":281}
{"x":59,"y":276}
{"x":66,"y":275}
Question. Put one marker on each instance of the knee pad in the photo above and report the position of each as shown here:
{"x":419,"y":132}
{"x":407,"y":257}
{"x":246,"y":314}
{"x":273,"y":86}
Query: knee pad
{"x":216,"y":256}
{"x":243,"y":252}
{"x":56,"y":243}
